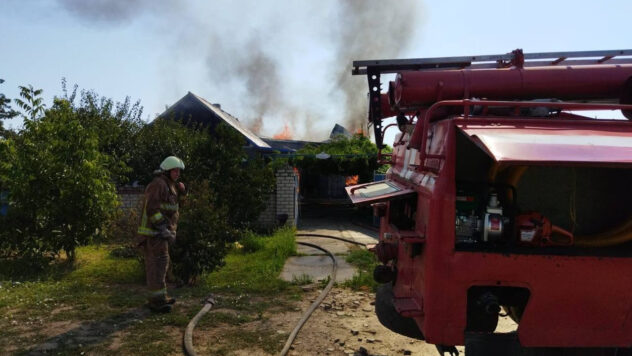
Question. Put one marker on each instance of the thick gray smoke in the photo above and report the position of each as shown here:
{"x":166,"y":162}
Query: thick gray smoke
{"x":256,"y":70}
{"x":369,"y":29}
{"x":250,"y":51}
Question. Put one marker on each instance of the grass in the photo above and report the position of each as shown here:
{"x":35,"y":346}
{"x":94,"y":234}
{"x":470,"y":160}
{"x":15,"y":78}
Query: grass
{"x":365,"y":261}
{"x":302,"y":280}
{"x":101,"y":287}
{"x":255,"y":272}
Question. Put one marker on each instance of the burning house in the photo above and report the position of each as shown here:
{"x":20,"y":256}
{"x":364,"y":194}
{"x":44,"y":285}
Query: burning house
{"x":291,"y":186}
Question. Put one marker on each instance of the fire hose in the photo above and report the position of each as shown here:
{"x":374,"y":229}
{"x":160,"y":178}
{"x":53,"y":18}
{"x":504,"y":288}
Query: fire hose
{"x":210,"y":301}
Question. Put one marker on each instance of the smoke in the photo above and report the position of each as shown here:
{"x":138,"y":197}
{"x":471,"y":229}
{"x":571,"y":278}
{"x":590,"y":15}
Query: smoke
{"x":270,"y":64}
{"x":369,"y":29}
{"x":256,"y":70}
{"x":113,"y":11}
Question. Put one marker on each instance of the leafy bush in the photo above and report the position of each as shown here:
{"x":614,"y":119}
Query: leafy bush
{"x":203,"y":235}
{"x":60,"y":192}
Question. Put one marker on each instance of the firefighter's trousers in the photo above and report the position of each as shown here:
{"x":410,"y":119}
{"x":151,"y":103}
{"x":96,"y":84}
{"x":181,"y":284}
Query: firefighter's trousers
{"x":156,"y":251}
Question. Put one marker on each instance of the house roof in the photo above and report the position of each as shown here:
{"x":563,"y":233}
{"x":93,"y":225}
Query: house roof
{"x":339,"y":130}
{"x":184,"y":105}
{"x":288,"y":146}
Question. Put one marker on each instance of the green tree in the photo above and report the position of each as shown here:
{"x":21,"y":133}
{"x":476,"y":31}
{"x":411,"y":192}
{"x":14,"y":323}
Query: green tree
{"x":31,"y":102}
{"x":239,"y":182}
{"x":5,"y":110}
{"x":348,"y":156}
{"x":159,"y":139}
{"x":116,"y":123}
{"x":61,"y":193}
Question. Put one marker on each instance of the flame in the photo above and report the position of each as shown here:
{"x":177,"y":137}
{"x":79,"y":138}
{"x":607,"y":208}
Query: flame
{"x":359,"y":131}
{"x":286,"y":134}
{"x":351,"y":180}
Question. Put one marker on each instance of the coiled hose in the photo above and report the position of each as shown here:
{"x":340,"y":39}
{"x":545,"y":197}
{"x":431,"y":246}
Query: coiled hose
{"x":210,"y":301}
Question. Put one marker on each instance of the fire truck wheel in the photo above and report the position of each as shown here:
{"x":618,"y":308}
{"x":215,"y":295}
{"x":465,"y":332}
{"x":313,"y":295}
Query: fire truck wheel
{"x":390,"y":318}
{"x":488,"y":344}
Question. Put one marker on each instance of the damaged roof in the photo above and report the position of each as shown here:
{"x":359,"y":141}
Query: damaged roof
{"x":199,"y":110}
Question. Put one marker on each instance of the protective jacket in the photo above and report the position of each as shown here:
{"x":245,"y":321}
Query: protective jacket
{"x":160,"y":207}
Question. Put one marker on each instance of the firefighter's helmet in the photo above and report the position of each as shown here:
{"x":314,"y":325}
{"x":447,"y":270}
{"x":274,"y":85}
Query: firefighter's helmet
{"x":170,"y":163}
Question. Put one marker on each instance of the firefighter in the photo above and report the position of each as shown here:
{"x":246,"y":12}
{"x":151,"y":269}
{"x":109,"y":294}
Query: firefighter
{"x":157,"y":229}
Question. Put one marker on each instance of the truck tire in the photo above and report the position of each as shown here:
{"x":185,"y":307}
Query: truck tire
{"x":489,"y":344}
{"x":390,"y":318}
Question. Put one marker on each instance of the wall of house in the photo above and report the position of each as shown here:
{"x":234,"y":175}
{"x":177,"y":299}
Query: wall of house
{"x":130,"y":197}
{"x":287,"y":195}
{"x":282,"y":206}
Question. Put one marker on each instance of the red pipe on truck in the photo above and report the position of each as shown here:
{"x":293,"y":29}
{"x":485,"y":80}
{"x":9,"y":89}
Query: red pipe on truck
{"x":413,"y":89}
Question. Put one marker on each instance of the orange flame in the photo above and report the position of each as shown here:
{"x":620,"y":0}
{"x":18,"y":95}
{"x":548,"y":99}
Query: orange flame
{"x":286,"y":134}
{"x":359,"y":131}
{"x":351,"y":180}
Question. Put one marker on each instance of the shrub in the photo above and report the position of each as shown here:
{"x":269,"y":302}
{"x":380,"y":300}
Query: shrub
{"x":222,"y":155}
{"x":60,"y":192}
{"x":203,"y":235}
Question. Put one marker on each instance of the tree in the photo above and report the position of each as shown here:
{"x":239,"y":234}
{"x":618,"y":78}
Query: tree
{"x":31,"y":103}
{"x":348,"y":156}
{"x":159,"y":139}
{"x":61,"y":194}
{"x":5,"y":110}
{"x":240,"y":183}
{"x":116,"y":123}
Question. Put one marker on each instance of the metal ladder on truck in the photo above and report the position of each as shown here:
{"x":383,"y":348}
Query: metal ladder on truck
{"x":373,"y":69}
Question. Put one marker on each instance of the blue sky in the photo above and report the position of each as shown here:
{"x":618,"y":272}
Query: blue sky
{"x":156,"y":51}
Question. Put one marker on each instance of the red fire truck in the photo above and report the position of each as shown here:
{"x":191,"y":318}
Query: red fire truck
{"x":505,"y":196}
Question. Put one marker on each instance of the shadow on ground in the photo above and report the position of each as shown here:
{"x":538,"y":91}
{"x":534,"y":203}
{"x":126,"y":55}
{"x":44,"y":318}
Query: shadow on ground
{"x":90,"y":333}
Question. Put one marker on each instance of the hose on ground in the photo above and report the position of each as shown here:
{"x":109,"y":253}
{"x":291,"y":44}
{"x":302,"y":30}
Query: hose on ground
{"x":325,"y":291}
{"x":210,"y":301}
{"x":316,"y":303}
{"x":188,"y":333}
{"x":332,"y":237}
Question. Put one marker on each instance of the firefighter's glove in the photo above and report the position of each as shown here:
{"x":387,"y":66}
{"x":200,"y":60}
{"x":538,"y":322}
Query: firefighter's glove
{"x":166,"y":234}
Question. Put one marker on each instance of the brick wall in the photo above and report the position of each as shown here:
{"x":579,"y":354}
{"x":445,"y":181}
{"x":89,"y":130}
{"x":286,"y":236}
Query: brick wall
{"x":283,"y":201}
{"x":287,"y":195}
{"x":130,"y":197}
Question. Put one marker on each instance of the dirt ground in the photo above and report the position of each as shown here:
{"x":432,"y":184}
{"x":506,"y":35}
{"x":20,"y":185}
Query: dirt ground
{"x":344,"y":324}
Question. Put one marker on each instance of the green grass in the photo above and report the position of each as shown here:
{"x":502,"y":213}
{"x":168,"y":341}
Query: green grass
{"x":100,"y":286}
{"x":303,"y":279}
{"x":365,"y":261}
{"x":255,"y":272}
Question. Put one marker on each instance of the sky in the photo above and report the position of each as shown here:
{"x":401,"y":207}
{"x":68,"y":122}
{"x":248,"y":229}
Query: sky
{"x":273,"y":63}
